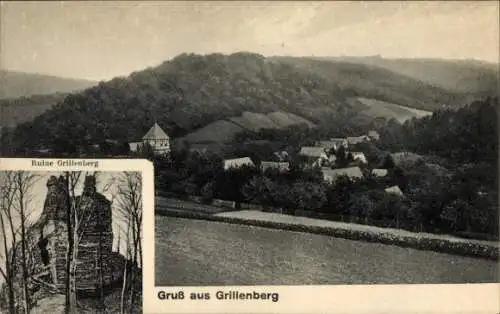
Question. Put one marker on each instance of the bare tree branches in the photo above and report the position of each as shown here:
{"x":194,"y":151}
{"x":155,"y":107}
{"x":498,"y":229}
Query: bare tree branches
{"x":24,"y":183}
{"x":126,"y":191}
{"x":16,"y":198}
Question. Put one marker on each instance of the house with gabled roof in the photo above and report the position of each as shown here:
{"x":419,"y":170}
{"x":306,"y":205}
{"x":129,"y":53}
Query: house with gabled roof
{"x":333,"y":143}
{"x":374,"y":135}
{"x":394,"y":190}
{"x":236,"y":163}
{"x":156,"y":138}
{"x":280,"y":166}
{"x":357,"y":139}
{"x":359,"y":156}
{"x":405,"y":157}
{"x":281,"y":155}
{"x":331,"y":175}
{"x":313,"y":152}
{"x":379,"y":172}
{"x":315,"y":156}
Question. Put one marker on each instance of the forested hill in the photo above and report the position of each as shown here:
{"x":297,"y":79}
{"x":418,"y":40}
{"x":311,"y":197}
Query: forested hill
{"x":192,"y":91}
{"x":463,"y":76}
{"x":14,"y":84}
{"x":14,"y":111}
{"x":466,"y":135}
{"x":24,"y":96}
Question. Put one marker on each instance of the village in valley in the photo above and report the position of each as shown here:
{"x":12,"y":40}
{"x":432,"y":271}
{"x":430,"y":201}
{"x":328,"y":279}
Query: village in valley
{"x":333,"y":158}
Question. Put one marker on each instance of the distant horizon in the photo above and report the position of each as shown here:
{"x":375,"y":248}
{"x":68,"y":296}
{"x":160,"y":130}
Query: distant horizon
{"x":270,"y":56}
{"x":101,"y":40}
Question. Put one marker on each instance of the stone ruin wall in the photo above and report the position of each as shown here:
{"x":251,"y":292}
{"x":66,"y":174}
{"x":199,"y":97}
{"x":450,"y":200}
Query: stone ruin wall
{"x":97,"y":237}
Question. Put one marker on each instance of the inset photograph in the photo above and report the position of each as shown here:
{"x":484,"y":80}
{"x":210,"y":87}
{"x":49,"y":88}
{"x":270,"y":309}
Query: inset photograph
{"x":70,"y":242}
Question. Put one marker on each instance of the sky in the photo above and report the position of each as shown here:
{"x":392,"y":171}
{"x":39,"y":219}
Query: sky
{"x":100,"y":40}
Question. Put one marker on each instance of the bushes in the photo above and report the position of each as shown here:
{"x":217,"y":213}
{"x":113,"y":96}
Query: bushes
{"x":305,"y":195}
{"x":436,"y":199}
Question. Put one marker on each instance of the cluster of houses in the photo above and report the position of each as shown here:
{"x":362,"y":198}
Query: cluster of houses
{"x":323,"y":155}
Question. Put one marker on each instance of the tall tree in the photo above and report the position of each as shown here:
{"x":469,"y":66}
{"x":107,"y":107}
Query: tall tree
{"x":77,"y":220}
{"x":23,"y":184}
{"x":7,"y":192}
{"x":127,"y":196}
{"x":342,"y":158}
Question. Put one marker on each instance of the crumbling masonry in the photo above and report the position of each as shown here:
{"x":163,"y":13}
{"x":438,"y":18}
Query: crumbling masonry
{"x":95,"y":260}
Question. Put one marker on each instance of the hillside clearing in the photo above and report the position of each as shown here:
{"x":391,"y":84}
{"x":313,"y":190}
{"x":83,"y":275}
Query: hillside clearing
{"x":219,"y":131}
{"x":225,"y":130}
{"x":378,"y":108}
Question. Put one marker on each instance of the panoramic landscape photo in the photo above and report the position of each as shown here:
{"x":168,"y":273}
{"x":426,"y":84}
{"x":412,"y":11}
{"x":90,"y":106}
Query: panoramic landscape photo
{"x":294,"y":143}
{"x":71,"y":242}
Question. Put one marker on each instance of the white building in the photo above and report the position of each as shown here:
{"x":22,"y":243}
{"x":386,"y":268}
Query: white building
{"x":333,"y":143}
{"x":374,"y":135}
{"x":237,"y":163}
{"x":379,"y":172}
{"x":359,"y":156}
{"x":156,"y":138}
{"x":394,"y":190}
{"x":280,"y":166}
{"x":358,"y":139}
{"x":315,"y":155}
{"x":331,"y":175}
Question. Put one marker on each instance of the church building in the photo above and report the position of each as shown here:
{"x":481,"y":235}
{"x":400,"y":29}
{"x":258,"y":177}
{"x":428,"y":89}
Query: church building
{"x":156,"y":138}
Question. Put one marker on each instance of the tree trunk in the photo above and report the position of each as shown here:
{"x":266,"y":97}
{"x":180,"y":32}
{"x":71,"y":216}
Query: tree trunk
{"x":8,"y":268}
{"x":132,"y":291}
{"x":139,"y":244}
{"x":125,"y":270}
{"x":70,"y":302}
{"x":26,"y":295}
{"x":72,"y":281}
{"x":124,"y":285}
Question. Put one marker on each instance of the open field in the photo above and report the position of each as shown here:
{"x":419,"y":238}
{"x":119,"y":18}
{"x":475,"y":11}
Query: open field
{"x":225,"y":130}
{"x":379,"y":108}
{"x":197,"y":252}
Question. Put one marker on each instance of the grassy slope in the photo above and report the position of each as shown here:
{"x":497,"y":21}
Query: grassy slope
{"x":378,"y":108}
{"x":225,"y":130}
{"x":195,"y":252}
{"x":218,"y":131}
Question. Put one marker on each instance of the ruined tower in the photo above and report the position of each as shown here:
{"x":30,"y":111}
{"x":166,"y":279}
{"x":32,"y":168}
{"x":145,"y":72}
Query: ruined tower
{"x":91,"y":215}
{"x":95,"y":249}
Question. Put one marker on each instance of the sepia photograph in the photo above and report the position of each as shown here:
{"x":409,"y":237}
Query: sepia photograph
{"x":71,"y":242}
{"x":296,"y":144}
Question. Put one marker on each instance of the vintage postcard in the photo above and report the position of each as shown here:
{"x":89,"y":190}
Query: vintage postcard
{"x":72,"y":235}
{"x":308,"y":156}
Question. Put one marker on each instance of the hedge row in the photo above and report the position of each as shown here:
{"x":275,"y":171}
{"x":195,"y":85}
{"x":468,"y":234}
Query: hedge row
{"x":426,"y":244}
